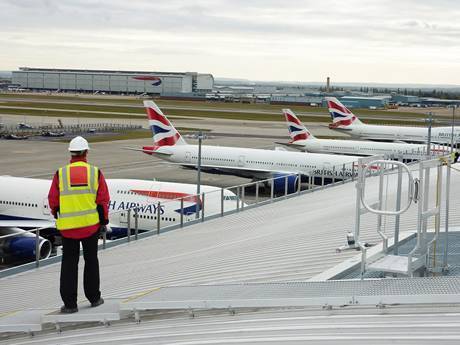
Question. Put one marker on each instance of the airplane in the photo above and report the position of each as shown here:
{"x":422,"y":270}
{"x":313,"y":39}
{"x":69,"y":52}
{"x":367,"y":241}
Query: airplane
{"x":16,"y":137}
{"x":24,"y":205}
{"x":303,"y":139}
{"x":344,"y":120}
{"x":23,"y":125}
{"x":257,"y":164}
{"x":52,"y":134}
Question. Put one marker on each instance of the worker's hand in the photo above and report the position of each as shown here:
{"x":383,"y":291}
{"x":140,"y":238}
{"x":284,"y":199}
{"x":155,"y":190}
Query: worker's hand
{"x":55,"y":213}
{"x":103,"y":229}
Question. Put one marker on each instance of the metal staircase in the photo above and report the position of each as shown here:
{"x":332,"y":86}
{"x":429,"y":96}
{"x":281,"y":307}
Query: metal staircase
{"x":389,"y":261}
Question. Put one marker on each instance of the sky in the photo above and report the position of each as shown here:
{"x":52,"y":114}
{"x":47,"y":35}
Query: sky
{"x":386,"y":41}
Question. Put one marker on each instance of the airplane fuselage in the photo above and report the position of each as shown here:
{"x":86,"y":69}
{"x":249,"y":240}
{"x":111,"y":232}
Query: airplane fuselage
{"x":440,"y":135}
{"x":367,"y":148}
{"x":32,"y":205}
{"x":258,"y":163}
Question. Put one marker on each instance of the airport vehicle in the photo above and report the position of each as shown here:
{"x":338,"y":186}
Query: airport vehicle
{"x":52,"y":134}
{"x":344,"y":120}
{"x":303,"y":139}
{"x":16,"y":137}
{"x":257,"y":164}
{"x":24,"y":205}
{"x":23,"y":125}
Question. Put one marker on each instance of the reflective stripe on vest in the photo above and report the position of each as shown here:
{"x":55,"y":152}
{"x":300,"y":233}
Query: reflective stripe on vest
{"x":77,"y":204}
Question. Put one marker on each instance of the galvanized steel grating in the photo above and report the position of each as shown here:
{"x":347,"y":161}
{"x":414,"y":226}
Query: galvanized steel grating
{"x":338,"y":288}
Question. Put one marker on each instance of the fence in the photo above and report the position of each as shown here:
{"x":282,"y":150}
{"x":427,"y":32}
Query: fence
{"x":41,"y":130}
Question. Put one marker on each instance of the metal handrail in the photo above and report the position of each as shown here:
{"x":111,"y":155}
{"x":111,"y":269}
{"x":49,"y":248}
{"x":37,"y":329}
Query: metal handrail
{"x":410,"y":190}
{"x":222,"y":211}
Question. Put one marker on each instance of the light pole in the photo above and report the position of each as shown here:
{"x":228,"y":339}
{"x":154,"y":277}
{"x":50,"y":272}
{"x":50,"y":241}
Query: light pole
{"x":452,"y":134}
{"x":428,"y":144}
{"x":198,"y":178}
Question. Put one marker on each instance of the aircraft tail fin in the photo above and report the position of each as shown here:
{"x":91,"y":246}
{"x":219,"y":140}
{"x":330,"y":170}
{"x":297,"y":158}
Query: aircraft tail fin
{"x":340,"y":114}
{"x":164,"y":133}
{"x":297,"y":130}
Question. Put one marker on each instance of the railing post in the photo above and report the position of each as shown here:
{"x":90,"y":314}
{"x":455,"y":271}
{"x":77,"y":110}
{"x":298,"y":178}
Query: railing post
{"x":257,"y":192}
{"x":202,"y":207}
{"x":272,"y":189}
{"x":221,"y":202}
{"x":128,"y":231}
{"x":104,"y":238}
{"x":158,"y":218}
{"x":181,"y":212}
{"x":299,"y":185}
{"x":237,"y":199}
{"x":322,"y":177}
{"x":243,"y":196}
{"x":136,"y":223}
{"x":286,"y":180}
{"x":333,"y":174}
{"x":447,"y":208}
{"x":352,"y":171}
{"x":37,"y":248}
{"x":343,"y":173}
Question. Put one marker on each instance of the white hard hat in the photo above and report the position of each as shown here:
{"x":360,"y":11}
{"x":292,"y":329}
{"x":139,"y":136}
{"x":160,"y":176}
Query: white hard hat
{"x":78,"y":144}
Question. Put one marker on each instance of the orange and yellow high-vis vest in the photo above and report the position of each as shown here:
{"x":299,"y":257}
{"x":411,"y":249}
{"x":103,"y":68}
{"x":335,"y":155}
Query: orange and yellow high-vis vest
{"x":78,"y":185}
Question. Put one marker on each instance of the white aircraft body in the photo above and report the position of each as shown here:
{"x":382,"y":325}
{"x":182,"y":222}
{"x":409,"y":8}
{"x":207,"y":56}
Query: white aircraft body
{"x":245,"y":162}
{"x":24,"y":205}
{"x":345,"y":121}
{"x":303,"y":139}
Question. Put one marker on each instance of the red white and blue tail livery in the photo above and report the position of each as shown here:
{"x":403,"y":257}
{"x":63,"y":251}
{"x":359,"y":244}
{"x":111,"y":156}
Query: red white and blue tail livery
{"x":164,"y":133}
{"x":297,"y":130}
{"x":344,"y":120}
{"x":340,"y":114}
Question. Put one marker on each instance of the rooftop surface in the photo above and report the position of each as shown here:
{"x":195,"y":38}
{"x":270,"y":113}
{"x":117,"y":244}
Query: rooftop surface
{"x":293,"y":240}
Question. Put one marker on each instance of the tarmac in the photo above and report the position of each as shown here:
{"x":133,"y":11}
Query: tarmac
{"x":41,"y":158}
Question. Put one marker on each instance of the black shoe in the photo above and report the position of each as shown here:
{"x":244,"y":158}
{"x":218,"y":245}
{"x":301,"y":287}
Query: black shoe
{"x":65,"y":310}
{"x":97,"y":303}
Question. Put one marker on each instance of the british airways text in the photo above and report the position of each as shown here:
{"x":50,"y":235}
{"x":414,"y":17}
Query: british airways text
{"x":125,"y":205}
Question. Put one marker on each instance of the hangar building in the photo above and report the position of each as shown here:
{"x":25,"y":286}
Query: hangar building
{"x":116,"y":82}
{"x":363,"y":102}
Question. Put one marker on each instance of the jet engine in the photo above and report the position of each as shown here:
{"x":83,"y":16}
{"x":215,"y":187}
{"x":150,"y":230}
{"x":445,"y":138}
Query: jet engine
{"x":23,"y":246}
{"x":280,"y":180}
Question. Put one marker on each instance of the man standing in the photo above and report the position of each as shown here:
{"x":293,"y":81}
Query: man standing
{"x":79,"y":199}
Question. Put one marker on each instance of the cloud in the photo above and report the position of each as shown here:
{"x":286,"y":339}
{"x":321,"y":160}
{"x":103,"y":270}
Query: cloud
{"x":226,"y":32}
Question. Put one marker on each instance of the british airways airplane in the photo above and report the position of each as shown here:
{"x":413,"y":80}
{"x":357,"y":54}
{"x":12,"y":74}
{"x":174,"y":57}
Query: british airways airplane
{"x":344,"y":120}
{"x":257,"y":164}
{"x":24,"y":205}
{"x":303,"y":139}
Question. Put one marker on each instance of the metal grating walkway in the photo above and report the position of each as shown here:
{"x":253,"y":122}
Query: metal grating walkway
{"x":338,"y":293}
{"x":301,"y":294}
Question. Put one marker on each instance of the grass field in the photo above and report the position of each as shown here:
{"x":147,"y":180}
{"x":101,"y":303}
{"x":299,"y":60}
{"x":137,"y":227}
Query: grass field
{"x":127,"y":135}
{"x":119,"y":108}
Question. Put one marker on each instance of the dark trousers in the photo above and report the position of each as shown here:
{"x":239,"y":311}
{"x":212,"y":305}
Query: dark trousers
{"x":69,"y":270}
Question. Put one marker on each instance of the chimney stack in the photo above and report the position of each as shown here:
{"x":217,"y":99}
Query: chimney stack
{"x":328,"y":84}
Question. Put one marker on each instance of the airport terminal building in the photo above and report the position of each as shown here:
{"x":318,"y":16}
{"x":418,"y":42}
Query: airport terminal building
{"x":114,"y":82}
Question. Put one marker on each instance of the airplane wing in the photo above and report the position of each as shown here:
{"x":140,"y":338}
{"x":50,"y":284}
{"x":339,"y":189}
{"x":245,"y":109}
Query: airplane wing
{"x":236,"y":170}
{"x":292,"y":146}
{"x":387,"y":140}
{"x":26,"y":223}
{"x":148,"y":151}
